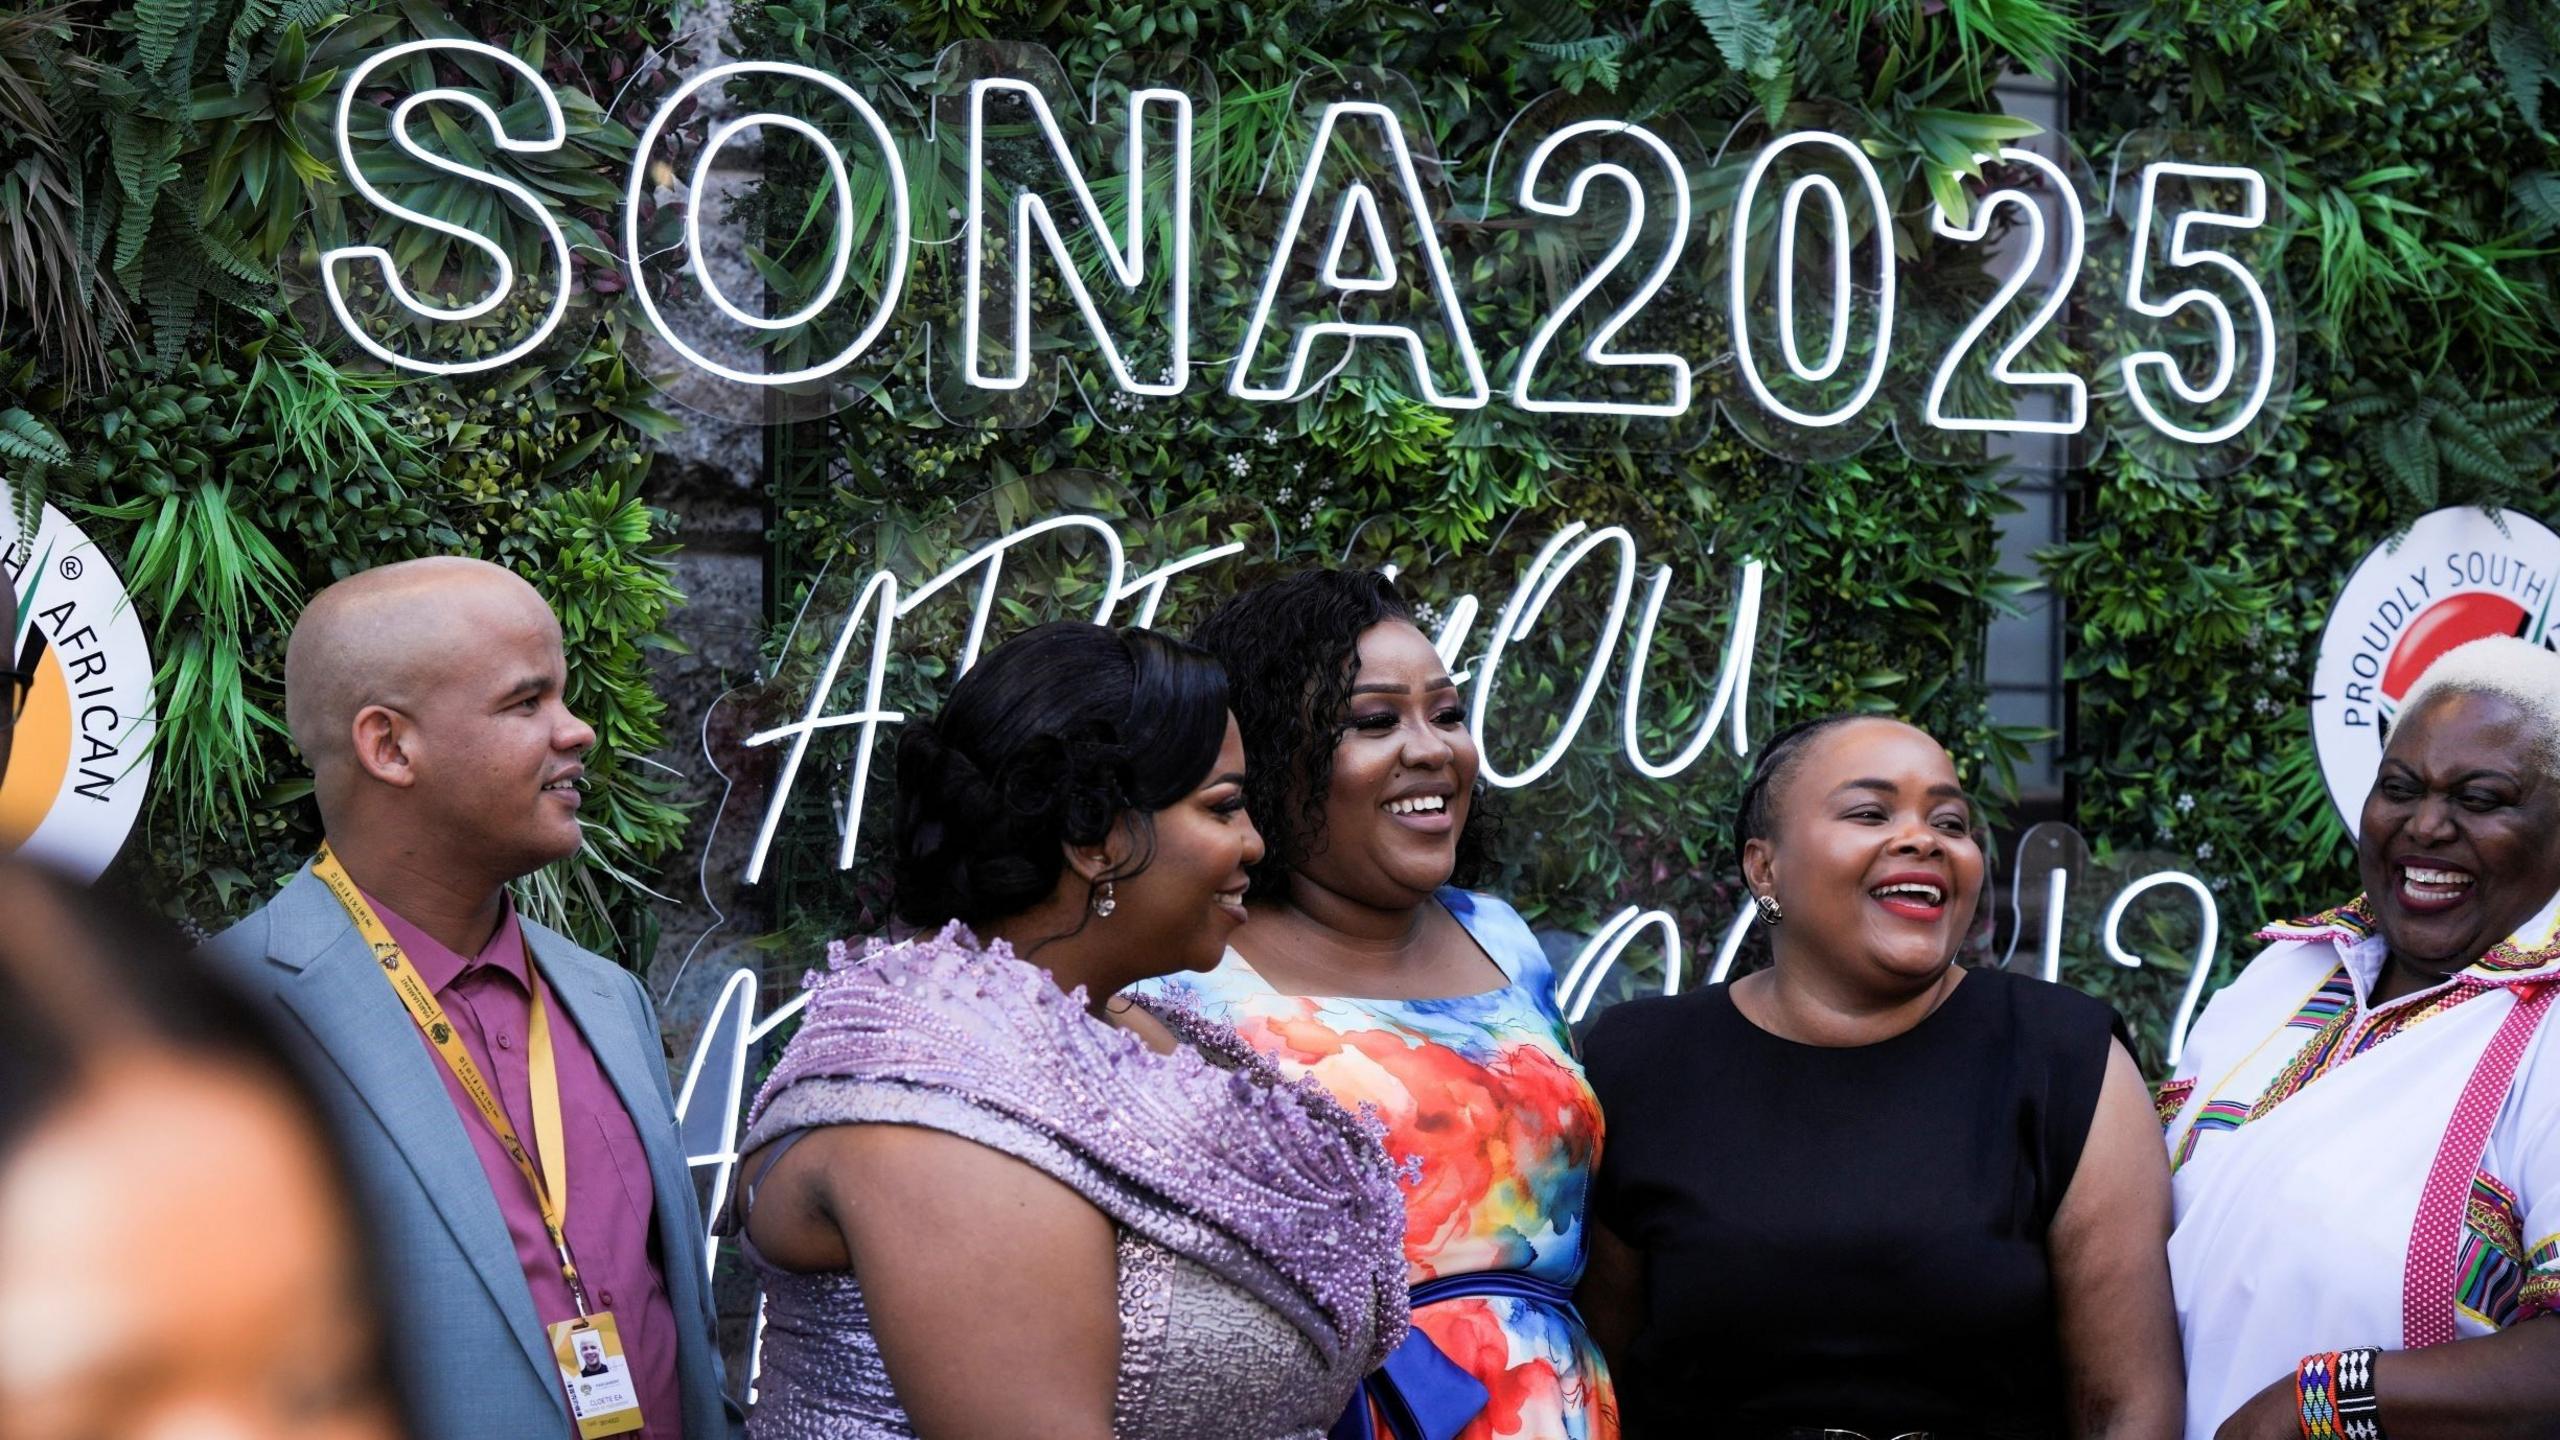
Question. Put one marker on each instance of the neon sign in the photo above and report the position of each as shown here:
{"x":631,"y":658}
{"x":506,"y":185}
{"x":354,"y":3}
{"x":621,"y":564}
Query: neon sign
{"x":1809,"y":303}
{"x":882,"y":603}
{"x":2053,"y":859}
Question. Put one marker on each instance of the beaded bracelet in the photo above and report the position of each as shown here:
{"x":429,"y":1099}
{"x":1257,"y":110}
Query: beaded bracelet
{"x":2335,"y":1396}
{"x":2315,"y":1384}
{"x":2359,"y":1411}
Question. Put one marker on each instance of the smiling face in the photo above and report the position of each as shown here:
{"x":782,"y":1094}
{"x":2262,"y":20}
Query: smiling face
{"x":492,"y":748}
{"x":1873,"y":861}
{"x":1177,"y":913}
{"x":1404,"y":770}
{"x":2456,"y":847}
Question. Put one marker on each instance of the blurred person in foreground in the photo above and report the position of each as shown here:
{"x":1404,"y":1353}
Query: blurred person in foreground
{"x":501,"y":1091}
{"x":179,"y":1251}
{"x":2365,"y":1128}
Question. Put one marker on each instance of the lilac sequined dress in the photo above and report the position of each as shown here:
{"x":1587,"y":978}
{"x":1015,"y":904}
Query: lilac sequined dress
{"x":1261,"y":1268}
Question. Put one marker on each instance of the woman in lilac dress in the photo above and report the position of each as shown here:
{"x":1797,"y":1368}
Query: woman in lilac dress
{"x":985,"y":1200}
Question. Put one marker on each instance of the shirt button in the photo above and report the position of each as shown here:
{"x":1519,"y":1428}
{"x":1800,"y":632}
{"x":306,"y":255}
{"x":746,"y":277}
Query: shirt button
{"x":607,"y":1298}
{"x":504,"y":1043}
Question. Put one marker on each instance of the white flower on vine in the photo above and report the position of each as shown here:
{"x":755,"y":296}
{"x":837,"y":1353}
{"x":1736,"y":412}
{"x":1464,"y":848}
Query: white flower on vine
{"x":1237,"y":465}
{"x":2204,"y":849}
{"x":2186,"y":803}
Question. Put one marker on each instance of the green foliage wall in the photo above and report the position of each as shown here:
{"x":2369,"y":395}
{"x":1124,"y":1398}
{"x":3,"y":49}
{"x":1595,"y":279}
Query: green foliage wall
{"x":160,"y":163}
{"x":1887,"y":568}
{"x":2419,"y":152}
{"x":162,"y":166}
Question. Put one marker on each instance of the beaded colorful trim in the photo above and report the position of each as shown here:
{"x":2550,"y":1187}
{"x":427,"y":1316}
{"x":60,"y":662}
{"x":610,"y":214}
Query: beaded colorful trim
{"x":2489,"y":1268}
{"x":2171,"y":1098}
{"x":2359,"y":1411}
{"x":2315,"y":1385}
{"x":2540,"y":1289}
{"x":2354,"y":922}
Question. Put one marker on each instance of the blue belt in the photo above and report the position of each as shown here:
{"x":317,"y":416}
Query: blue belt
{"x":1423,"y":1393}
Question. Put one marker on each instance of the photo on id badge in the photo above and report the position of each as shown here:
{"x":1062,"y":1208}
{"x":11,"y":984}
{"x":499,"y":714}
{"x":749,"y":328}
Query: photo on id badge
{"x":602,"y":1398}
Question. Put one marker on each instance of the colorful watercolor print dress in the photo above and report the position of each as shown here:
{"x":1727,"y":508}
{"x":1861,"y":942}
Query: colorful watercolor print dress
{"x":1485,"y":1092}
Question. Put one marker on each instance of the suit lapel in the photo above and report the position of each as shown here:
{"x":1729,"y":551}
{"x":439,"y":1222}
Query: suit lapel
{"x":586,"y":991}
{"x":591,"y":992}
{"x":341,"y":996}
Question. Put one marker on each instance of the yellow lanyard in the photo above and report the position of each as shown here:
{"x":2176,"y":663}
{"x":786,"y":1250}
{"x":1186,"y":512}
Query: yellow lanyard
{"x":543,"y":1069}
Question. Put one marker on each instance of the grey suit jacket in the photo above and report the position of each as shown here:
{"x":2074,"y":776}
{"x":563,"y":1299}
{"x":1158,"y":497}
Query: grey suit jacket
{"x":475,"y":1356}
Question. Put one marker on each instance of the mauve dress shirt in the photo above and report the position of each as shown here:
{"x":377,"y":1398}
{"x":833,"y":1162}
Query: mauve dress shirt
{"x":612,"y":1204}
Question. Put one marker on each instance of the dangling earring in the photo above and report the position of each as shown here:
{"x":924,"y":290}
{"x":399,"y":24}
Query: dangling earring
{"x":1103,"y":904}
{"x":1769,"y":910}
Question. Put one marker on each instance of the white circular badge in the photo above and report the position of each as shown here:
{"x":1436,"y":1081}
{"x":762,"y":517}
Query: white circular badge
{"x":79,"y":757}
{"x":2453,"y":578}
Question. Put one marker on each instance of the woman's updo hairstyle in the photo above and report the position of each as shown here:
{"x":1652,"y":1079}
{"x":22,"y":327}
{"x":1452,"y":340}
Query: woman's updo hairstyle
{"x":1292,"y":652}
{"x":1045,"y":743}
{"x":1755,"y":816}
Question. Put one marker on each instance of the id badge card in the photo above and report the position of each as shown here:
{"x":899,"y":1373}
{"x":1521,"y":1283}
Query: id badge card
{"x":602,"y":1398}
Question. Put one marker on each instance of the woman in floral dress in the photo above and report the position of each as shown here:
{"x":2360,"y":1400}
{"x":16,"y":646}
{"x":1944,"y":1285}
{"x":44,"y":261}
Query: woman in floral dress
{"x":1363,"y":966}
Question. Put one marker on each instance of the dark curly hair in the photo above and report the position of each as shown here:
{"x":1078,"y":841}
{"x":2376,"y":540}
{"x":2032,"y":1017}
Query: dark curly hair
{"x":1292,"y":652}
{"x":1045,"y":743}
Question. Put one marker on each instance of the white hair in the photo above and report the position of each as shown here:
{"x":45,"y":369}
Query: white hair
{"x":2517,"y":671}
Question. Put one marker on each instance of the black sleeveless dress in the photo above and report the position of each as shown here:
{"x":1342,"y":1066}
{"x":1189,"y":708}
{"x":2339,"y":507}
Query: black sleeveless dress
{"x":1850,"y":1238}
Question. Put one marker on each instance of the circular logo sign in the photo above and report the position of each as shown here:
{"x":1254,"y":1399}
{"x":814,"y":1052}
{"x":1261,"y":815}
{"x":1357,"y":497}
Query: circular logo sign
{"x":2453,"y":578}
{"x":79,"y":759}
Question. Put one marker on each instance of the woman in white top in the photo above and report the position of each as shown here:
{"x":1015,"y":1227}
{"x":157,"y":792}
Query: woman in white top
{"x":2365,"y":1130}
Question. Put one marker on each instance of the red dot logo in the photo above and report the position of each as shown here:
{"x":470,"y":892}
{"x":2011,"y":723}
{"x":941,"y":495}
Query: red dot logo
{"x":2455,"y":620}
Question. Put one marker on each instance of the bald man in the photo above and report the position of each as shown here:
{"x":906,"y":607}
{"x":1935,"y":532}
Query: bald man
{"x":504,"y":1096}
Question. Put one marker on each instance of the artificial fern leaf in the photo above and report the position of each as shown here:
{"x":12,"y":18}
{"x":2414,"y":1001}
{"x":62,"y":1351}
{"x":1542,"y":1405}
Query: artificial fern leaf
{"x":2507,"y":421}
{"x":158,"y":27}
{"x":1551,"y":20}
{"x":25,"y":438}
{"x":2524,"y":56}
{"x":2536,"y":194}
{"x":1669,"y":86}
{"x":2409,"y":457}
{"x":2468,"y":452}
{"x":1743,"y":32}
{"x":223,"y":246}
{"x":247,"y":29}
{"x":307,"y":15}
{"x":1589,"y":48}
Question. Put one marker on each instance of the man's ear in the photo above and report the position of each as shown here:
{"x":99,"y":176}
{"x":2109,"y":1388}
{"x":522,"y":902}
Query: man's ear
{"x":1760,"y":866}
{"x":382,"y":737}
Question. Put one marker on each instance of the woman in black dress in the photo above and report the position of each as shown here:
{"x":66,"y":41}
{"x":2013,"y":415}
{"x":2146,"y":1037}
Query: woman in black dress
{"x":1866,"y":1189}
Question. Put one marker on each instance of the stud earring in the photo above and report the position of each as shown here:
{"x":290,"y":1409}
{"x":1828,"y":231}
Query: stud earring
{"x":1769,"y":910}
{"x":1103,"y":904}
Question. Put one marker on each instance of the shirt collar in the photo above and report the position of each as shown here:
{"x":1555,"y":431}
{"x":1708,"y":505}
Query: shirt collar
{"x":440,"y":967}
{"x":2531,"y":953}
